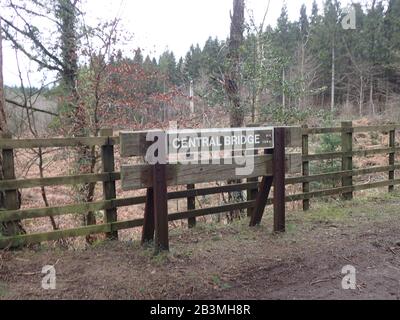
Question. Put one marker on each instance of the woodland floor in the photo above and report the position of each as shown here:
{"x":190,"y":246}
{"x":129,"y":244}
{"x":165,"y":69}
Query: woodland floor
{"x":231,"y":261}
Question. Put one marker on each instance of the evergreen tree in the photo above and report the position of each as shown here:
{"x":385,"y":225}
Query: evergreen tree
{"x":193,"y":63}
{"x":138,"y":58}
{"x":167,"y":66}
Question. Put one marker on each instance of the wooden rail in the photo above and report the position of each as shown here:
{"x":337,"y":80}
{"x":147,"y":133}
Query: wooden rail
{"x":111,"y":202}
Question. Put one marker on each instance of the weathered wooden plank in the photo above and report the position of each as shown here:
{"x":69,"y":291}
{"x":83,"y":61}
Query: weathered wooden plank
{"x":55,"y":142}
{"x":382,"y":128}
{"x":374,"y":151}
{"x":134,"y":144}
{"x":29,"y":239}
{"x":340,"y":174}
{"x":315,"y":131}
{"x":341,"y":190}
{"x":211,"y":190}
{"x":35,"y":238}
{"x":379,"y":128}
{"x":14,"y":215}
{"x":356,"y":153}
{"x":323,"y":156}
{"x":210,"y":211}
{"x":58,"y":181}
{"x":138,"y":176}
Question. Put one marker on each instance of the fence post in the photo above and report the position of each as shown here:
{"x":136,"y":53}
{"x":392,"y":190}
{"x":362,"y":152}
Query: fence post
{"x":306,"y":168}
{"x":347,"y":159}
{"x":279,"y":181}
{"x":149,"y":220}
{"x":160,"y":207}
{"x":191,"y":205}
{"x":392,"y":144}
{"x":109,"y":189}
{"x":252,"y":193}
{"x":11,"y":200}
{"x":11,"y":196}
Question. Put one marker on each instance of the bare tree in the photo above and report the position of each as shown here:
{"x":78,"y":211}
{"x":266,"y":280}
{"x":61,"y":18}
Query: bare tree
{"x":258,"y":64}
{"x":233,"y":74}
{"x":3,"y":122}
{"x":57,"y":51}
{"x":6,"y":228}
{"x":232,"y":81}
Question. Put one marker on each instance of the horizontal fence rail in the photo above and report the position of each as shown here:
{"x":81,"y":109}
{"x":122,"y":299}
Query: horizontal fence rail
{"x":346,"y":175}
{"x":361,"y":129}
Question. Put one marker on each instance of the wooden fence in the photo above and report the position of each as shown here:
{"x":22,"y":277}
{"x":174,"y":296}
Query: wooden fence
{"x":111,"y":202}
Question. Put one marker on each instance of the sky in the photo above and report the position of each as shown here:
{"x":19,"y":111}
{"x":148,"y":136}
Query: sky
{"x":158,"y":25}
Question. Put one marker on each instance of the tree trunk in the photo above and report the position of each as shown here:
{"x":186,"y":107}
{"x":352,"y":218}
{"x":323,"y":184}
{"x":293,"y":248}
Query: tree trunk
{"x":85,"y":159}
{"x":302,"y":99}
{"x":232,"y":78}
{"x":283,"y":89}
{"x":348,"y":94}
{"x":3,"y":121}
{"x":387,"y":95}
{"x":333,"y":78}
{"x":6,"y":228}
{"x":232,"y":82}
{"x":361,"y":95}
{"x":371,"y":96}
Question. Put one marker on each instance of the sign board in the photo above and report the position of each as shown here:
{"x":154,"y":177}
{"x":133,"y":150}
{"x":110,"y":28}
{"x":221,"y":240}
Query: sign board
{"x":191,"y":141}
{"x":239,"y":162}
{"x":222,"y":163}
{"x":221,"y":139}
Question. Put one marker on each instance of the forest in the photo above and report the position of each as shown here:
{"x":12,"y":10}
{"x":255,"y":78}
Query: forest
{"x":288,"y":71}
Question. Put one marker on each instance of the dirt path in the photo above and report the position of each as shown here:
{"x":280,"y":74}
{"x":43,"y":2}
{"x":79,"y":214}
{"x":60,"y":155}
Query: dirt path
{"x":230,"y":262}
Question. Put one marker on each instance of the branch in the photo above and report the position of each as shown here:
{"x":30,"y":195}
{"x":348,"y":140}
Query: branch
{"x":30,"y":35}
{"x":34,"y":13}
{"x":18,"y":46}
{"x":19,"y":105}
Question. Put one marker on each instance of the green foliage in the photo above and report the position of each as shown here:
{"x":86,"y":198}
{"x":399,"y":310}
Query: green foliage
{"x":327,"y":143}
{"x":3,"y":290}
{"x":291,"y":116}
